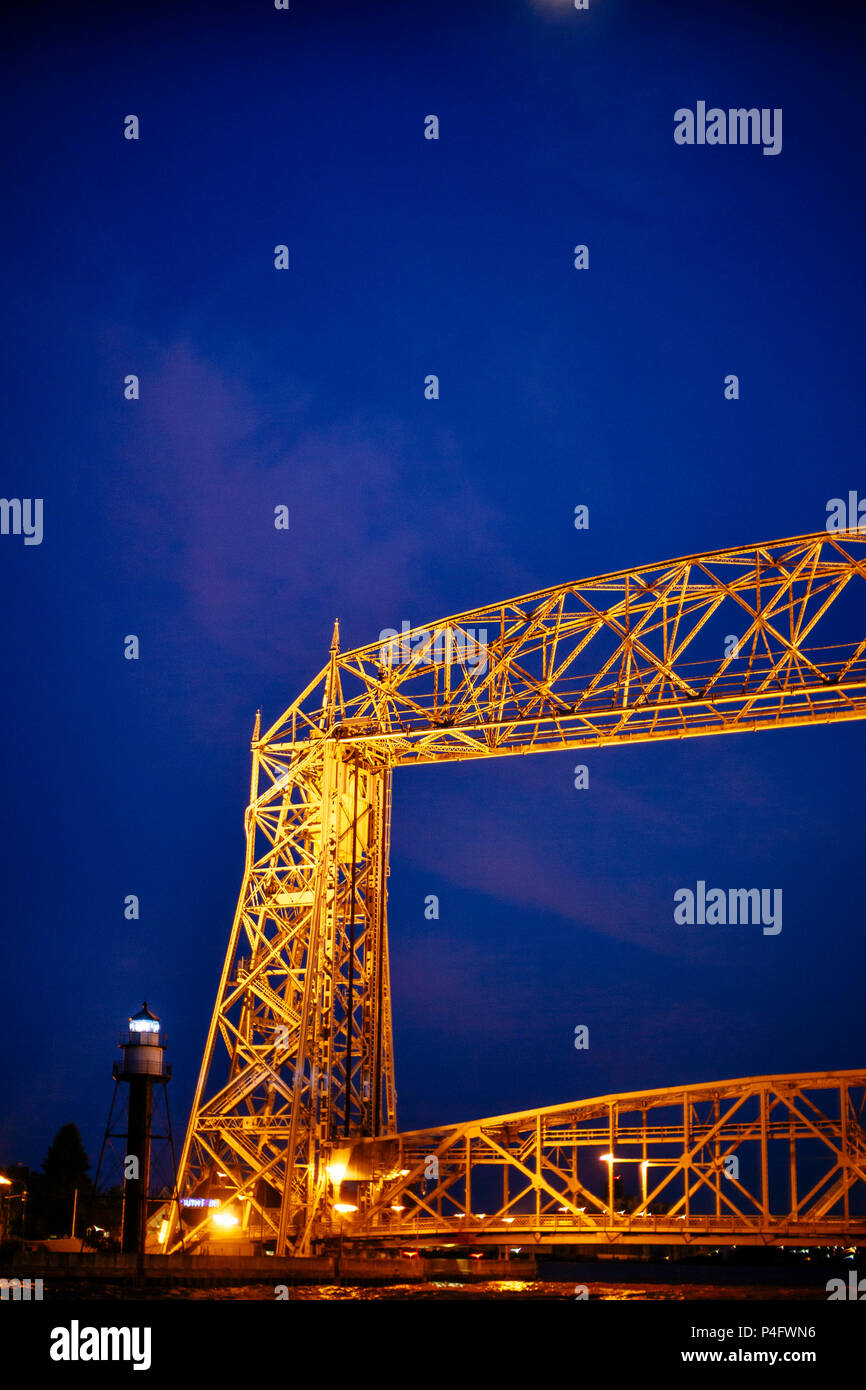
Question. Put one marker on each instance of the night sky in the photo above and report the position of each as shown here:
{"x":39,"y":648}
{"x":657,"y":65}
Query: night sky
{"x":306,"y":388}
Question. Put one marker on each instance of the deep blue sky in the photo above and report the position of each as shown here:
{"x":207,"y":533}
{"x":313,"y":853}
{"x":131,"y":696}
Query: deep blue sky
{"x":306,"y":388}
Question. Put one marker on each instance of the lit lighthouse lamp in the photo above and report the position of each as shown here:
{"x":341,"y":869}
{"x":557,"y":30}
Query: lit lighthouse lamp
{"x":143,"y":1048}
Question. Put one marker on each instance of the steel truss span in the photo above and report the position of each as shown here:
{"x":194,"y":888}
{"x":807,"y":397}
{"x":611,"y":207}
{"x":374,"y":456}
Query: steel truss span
{"x":761,"y":1160}
{"x":298,"y":1060}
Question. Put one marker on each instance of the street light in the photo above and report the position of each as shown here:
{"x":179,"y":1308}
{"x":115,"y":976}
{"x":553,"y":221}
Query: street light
{"x":644,"y":1164}
{"x":225,"y":1218}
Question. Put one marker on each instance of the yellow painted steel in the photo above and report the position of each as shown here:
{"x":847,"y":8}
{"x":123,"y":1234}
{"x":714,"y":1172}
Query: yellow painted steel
{"x":298,"y":1064}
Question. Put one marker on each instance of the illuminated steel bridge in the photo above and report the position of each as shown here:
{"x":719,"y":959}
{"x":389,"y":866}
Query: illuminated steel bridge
{"x":761,"y":1160}
{"x":296,"y":1091}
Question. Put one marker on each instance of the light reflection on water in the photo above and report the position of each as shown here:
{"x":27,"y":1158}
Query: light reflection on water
{"x":443,"y":1291}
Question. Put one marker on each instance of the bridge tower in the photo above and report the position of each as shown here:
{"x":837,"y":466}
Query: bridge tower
{"x":303,"y":1008}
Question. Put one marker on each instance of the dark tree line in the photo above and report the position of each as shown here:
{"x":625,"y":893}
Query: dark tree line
{"x":36,"y":1205}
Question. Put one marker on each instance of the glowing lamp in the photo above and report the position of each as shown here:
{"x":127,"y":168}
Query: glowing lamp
{"x":144,"y":1022}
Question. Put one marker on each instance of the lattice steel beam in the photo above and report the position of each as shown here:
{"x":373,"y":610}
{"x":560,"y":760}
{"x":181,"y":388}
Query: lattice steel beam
{"x":631,"y":656}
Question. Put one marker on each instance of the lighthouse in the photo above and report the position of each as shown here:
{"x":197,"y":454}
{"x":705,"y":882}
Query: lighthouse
{"x":143,"y":1067}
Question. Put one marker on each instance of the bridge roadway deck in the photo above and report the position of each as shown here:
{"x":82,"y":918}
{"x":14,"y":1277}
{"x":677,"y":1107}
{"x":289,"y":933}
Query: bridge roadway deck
{"x":527,"y":1232}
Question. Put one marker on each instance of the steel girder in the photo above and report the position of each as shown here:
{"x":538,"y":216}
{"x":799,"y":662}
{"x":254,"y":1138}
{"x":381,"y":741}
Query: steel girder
{"x":763,"y":636}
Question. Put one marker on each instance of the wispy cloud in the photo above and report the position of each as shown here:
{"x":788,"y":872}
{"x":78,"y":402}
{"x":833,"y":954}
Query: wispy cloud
{"x":374,"y":525}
